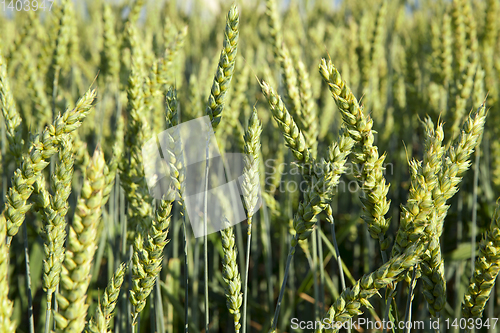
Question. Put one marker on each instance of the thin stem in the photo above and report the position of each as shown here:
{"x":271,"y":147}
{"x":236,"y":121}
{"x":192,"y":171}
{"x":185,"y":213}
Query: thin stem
{"x":55,"y":85}
{"x":205,"y":231}
{"x":314,"y":267}
{"x":4,"y":163}
{"x":160,"y":322}
{"x":474,"y":212}
{"x":339,"y":260}
{"x":28,"y":279}
{"x":266,"y":245}
{"x":384,"y":255}
{"x":282,"y":290}
{"x":196,"y":273}
{"x":55,"y":306}
{"x":321,"y":270}
{"x":48,"y":310}
{"x":388,"y":303}
{"x":409,"y":300}
{"x":152,"y":316}
{"x":245,"y":278}
{"x":186,"y":270}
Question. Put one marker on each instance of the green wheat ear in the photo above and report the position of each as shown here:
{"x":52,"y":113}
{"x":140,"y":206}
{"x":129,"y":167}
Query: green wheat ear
{"x":359,"y":127}
{"x":42,"y":148}
{"x":104,"y":312}
{"x":250,"y":186}
{"x":231,"y":274}
{"x":487,"y":267}
{"x":293,"y":135}
{"x":148,"y":255}
{"x":10,"y":113}
{"x":350,"y":301}
{"x":225,"y":68}
{"x":6,"y":305}
{"x":82,"y":244}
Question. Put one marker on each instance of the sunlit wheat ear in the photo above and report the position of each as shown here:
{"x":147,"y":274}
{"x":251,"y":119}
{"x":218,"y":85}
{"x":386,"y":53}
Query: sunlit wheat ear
{"x":291,"y":132}
{"x":457,"y":161}
{"x":53,"y":210}
{"x":250,"y":184}
{"x":59,"y":57}
{"x":415,"y":216}
{"x":110,"y":60}
{"x":166,"y":65}
{"x":10,"y":114}
{"x":80,"y":249}
{"x":132,"y":178}
{"x":174,"y":150}
{"x":225,"y":68}
{"x":231,"y":274}
{"x":42,"y":148}
{"x":6,"y":305}
{"x":321,"y":188}
{"x":359,"y":127}
{"x":309,"y":120}
{"x":148,"y":255}
{"x":433,"y":278}
{"x":487,"y":267}
{"x":349,"y":303}
{"x":105,"y":310}
{"x":432,"y":266}
{"x":282,"y":54}
{"x":251,"y":189}
{"x":42,"y":109}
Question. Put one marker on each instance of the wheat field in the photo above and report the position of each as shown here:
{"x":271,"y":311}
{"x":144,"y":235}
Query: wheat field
{"x":369,"y":133}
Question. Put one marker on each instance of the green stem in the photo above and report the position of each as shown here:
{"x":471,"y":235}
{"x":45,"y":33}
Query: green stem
{"x":339,"y":260}
{"x":314,"y":267}
{"x":382,"y":252}
{"x":205,"y":238}
{"x":55,"y":306}
{"x":282,"y":290}
{"x":160,"y":322}
{"x":28,"y":279}
{"x":474,"y":212}
{"x":321,"y":270}
{"x":152,"y":315}
{"x":245,"y":278}
{"x":409,"y":300}
{"x":186,"y":270}
{"x":48,"y":311}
